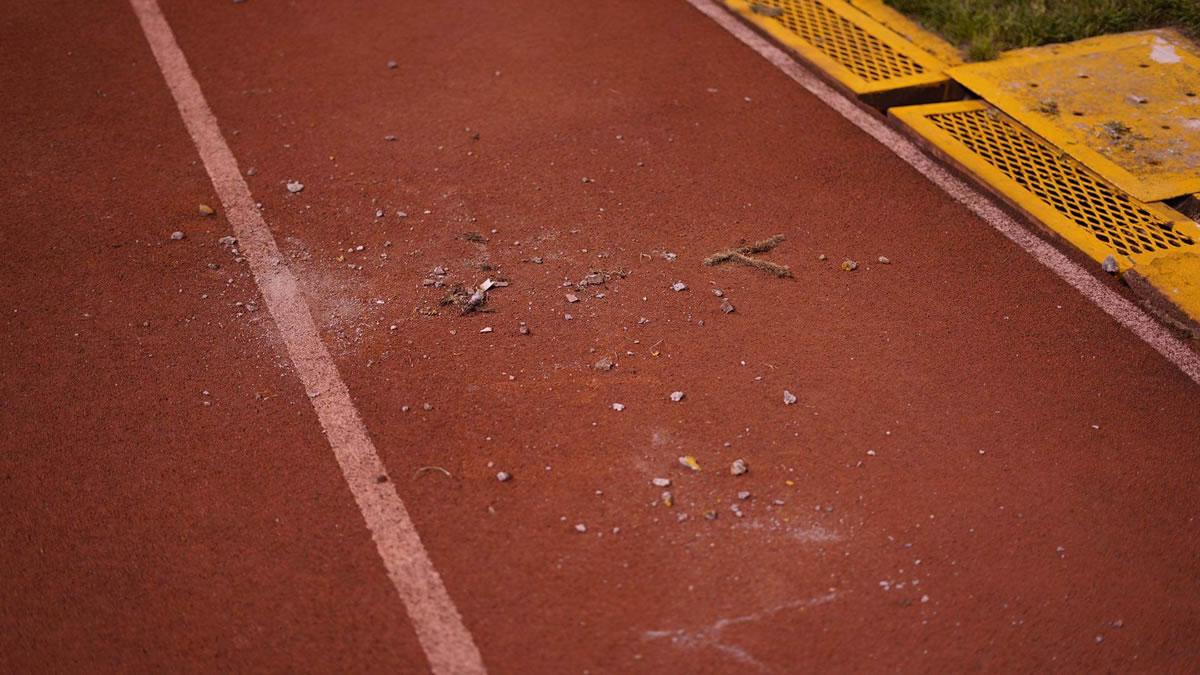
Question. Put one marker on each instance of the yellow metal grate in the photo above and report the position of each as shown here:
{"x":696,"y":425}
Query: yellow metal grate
{"x":851,"y":46}
{"x":1110,"y":216}
{"x":843,"y":41}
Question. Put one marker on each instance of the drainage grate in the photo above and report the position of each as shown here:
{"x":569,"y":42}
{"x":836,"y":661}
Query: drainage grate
{"x":844,"y":42}
{"x":847,"y":43}
{"x":1127,"y":226}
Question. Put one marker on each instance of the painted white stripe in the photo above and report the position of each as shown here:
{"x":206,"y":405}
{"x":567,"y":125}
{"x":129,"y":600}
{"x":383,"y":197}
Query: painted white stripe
{"x":439,"y":628}
{"x":1125,"y":312}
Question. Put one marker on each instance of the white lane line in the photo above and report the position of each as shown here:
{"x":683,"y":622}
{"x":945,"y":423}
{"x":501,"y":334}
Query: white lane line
{"x":439,"y":628}
{"x":1125,"y":312}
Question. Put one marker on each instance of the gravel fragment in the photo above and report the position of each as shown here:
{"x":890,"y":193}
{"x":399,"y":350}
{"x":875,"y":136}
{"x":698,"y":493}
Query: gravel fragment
{"x":618,"y":406}
{"x":743,"y":495}
{"x":392,"y":65}
{"x":689,"y":462}
{"x":605,"y":364}
{"x":503,"y":476}
{"x":294,"y":186}
{"x":427,"y":407}
{"x":677,"y":396}
{"x":678,"y":286}
{"x":883,"y":260}
{"x":667,"y":498}
{"x":738,"y":467}
{"x":788,"y":398}
{"x":661,"y":482}
{"x":718,"y":292}
{"x":727,"y":306}
{"x":1109,"y":265}
{"x":177,"y":236}
{"x":572,"y":298}
{"x":580,"y":528}
{"x":849,"y":265}
{"x":485,"y":329}
{"x":206,"y":210}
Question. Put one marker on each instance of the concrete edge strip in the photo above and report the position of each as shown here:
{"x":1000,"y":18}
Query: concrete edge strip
{"x":1122,"y":310}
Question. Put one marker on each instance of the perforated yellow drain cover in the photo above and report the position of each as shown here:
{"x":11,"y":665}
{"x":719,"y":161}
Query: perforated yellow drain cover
{"x":855,"y":49}
{"x":1091,"y":213}
{"x":1126,"y":106}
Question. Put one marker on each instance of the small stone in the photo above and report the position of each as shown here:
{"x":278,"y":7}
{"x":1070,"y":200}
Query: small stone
{"x":822,"y":257}
{"x":743,"y":495}
{"x":523,"y":329}
{"x":427,"y":407}
{"x":788,"y":398}
{"x":206,"y":210}
{"x":572,"y":298}
{"x":1109,"y":265}
{"x":390,"y":137}
{"x":677,"y":396}
{"x":392,"y":65}
{"x":404,"y":408}
{"x":618,"y":406}
{"x":227,"y":241}
{"x":667,"y":498}
{"x":567,"y":317}
{"x":294,"y":186}
{"x":580,"y":528}
{"x":252,"y":171}
{"x":849,"y":265}
{"x":604,"y":364}
{"x":503,"y":476}
{"x":727,"y":306}
{"x":689,"y":462}
{"x":485,"y":329}
{"x":883,"y":260}
{"x":710,"y":515}
{"x":738,"y":467}
{"x":177,"y":236}
{"x":718,"y":292}
{"x":378,"y":213}
{"x":678,"y":286}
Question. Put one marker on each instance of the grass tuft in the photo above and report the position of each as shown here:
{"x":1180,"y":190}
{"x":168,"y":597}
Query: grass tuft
{"x":984,"y":28}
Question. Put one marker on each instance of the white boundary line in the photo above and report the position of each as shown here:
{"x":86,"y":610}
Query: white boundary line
{"x":439,"y":628}
{"x":1125,"y":312}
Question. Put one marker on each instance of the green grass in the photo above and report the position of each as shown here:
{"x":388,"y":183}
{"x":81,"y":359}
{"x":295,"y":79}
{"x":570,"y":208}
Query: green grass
{"x":985,"y":27}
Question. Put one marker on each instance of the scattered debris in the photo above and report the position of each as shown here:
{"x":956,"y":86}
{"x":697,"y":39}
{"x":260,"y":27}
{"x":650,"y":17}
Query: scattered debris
{"x":849,"y":265}
{"x":474,"y":237}
{"x":1048,"y":107}
{"x":738,"y":467}
{"x":661,"y":482}
{"x":503,"y":476}
{"x":727,"y":306}
{"x":605,"y":364}
{"x":678,"y":286}
{"x":718,"y":292}
{"x":677,"y":396}
{"x":206,"y":210}
{"x":765,"y":10}
{"x":1116,"y":129}
{"x":689,"y":462}
{"x":741,"y":256}
{"x":667,"y":498}
{"x":788,"y":398}
{"x":177,"y":236}
{"x":294,"y":186}
{"x":426,"y":469}
{"x":227,"y":241}
{"x":1109,"y":265}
